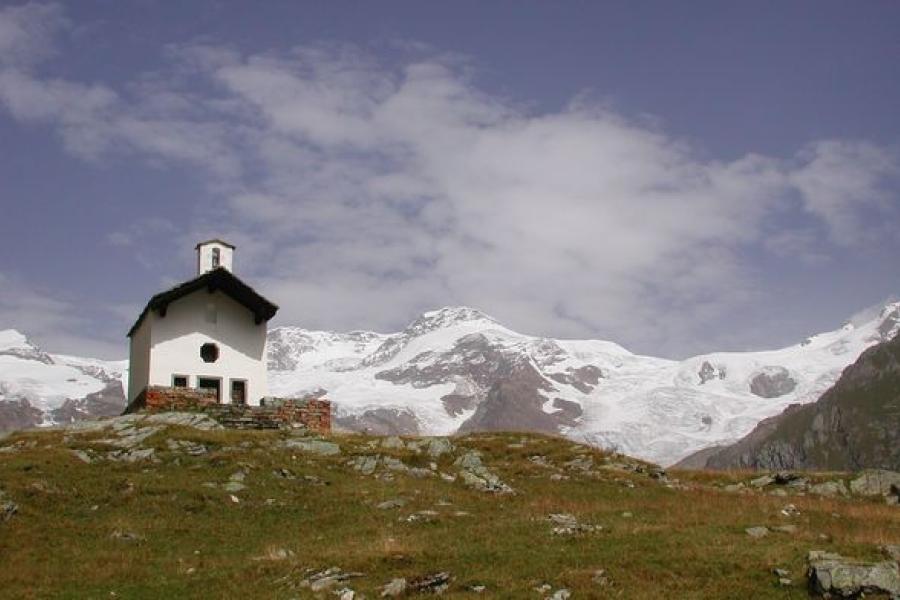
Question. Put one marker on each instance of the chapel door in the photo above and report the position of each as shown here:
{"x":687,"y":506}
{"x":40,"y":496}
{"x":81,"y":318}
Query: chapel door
{"x":238,"y":391}
{"x":210,"y":384}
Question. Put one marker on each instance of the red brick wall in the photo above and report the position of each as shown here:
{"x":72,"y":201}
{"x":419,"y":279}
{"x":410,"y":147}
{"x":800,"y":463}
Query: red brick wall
{"x":315,"y":415}
{"x":158,"y":398}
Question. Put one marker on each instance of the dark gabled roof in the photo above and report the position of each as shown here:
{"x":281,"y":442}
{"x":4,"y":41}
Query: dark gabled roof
{"x":214,"y":241}
{"x":217,"y":279}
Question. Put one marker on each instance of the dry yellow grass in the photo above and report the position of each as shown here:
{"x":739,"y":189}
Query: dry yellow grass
{"x":192,"y":541}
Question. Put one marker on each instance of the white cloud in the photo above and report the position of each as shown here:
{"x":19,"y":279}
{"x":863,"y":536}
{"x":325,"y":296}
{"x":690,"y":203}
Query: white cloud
{"x":360,"y":193}
{"x":27,"y":31}
{"x":842,"y":182}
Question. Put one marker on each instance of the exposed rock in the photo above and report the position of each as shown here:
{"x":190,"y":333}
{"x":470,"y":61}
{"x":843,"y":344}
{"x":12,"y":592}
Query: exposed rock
{"x":234,"y":486}
{"x":132,"y":455}
{"x":757,"y":532}
{"x":7,"y":507}
{"x":395,"y":588}
{"x":184,"y":419}
{"x":108,"y":402}
{"x":772,"y":382}
{"x":327,"y":579}
{"x":394,"y":464}
{"x":892,"y":551}
{"x":787,"y":478}
{"x":581,"y":463}
{"x":131,"y":437}
{"x":847,"y":578}
{"x":438,"y":446}
{"x":381,"y":421}
{"x":875,"y":482}
{"x":435,"y":583}
{"x":313,"y":446}
{"x":601,"y":578}
{"x":126,"y":536}
{"x":17,"y":413}
{"x":829,"y":488}
{"x":566,"y":524}
{"x":485,"y":481}
{"x":516,"y":403}
{"x":789,"y":529}
{"x":708,"y":372}
{"x":365,"y":464}
{"x":420,"y":516}
{"x":390,"y":504}
{"x":763,"y":481}
{"x":561,"y":594}
{"x":393,"y":443}
{"x":275,"y":554}
{"x":583,"y":379}
{"x":475,"y":475}
{"x":186,"y":447}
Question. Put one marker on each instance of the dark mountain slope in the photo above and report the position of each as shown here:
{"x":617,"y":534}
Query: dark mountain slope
{"x":854,"y":425}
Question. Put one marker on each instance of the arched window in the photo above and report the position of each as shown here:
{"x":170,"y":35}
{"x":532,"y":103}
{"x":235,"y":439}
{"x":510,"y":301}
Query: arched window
{"x":216,"y":258}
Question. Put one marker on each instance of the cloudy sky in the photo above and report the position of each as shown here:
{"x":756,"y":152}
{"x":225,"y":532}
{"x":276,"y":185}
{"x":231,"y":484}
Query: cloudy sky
{"x":677,"y":177}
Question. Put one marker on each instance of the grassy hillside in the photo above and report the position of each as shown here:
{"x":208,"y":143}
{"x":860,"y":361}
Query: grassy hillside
{"x":226,"y":514}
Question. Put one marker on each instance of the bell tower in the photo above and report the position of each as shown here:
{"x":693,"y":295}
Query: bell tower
{"x":214,"y":254}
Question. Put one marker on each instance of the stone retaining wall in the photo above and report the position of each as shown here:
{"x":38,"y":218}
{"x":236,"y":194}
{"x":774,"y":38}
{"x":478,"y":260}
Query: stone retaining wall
{"x":275,"y":413}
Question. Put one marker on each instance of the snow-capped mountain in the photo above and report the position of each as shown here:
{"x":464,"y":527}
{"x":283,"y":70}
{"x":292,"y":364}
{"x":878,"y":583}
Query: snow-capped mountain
{"x":457,"y":369}
{"x":37,"y":388}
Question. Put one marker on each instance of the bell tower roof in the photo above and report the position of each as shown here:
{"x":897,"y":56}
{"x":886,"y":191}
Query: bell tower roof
{"x":214,"y":241}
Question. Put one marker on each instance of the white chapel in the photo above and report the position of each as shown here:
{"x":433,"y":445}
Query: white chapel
{"x":207,"y":333}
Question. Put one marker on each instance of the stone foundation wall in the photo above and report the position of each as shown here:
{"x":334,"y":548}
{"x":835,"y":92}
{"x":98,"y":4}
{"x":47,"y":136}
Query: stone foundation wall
{"x":315,"y":414}
{"x":275,"y":413}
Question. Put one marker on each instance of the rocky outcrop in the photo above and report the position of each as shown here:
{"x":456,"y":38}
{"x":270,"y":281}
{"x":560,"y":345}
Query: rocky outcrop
{"x":108,"y":402}
{"x":876,"y":482}
{"x":841,"y":577}
{"x":708,"y":372}
{"x":854,"y":425}
{"x":516,"y":403}
{"x":583,"y":379}
{"x":19,"y":414}
{"x":381,"y":421}
{"x":772,"y":382}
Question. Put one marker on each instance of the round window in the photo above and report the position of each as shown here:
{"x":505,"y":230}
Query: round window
{"x":209,"y":353}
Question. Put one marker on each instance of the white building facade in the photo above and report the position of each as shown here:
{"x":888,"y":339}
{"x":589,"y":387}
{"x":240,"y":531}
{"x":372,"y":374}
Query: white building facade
{"x":208,"y":333}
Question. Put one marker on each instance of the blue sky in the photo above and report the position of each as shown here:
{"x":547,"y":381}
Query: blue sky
{"x":678,"y":177}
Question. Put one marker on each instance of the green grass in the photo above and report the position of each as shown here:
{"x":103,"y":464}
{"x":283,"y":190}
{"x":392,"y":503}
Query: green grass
{"x":197,"y":543}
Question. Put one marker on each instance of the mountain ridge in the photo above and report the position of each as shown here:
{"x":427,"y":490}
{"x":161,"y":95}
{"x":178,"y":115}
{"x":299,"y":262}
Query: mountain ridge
{"x":458,"y":369}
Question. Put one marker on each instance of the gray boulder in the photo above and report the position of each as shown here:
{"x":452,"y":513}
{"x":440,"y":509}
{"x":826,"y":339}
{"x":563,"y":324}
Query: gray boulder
{"x":829,"y":488}
{"x":313,"y":446}
{"x":438,"y":446}
{"x":757,"y":532}
{"x":833,"y":574}
{"x":475,"y":475}
{"x":875,"y":482}
{"x":395,"y":588}
{"x":7,"y":507}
